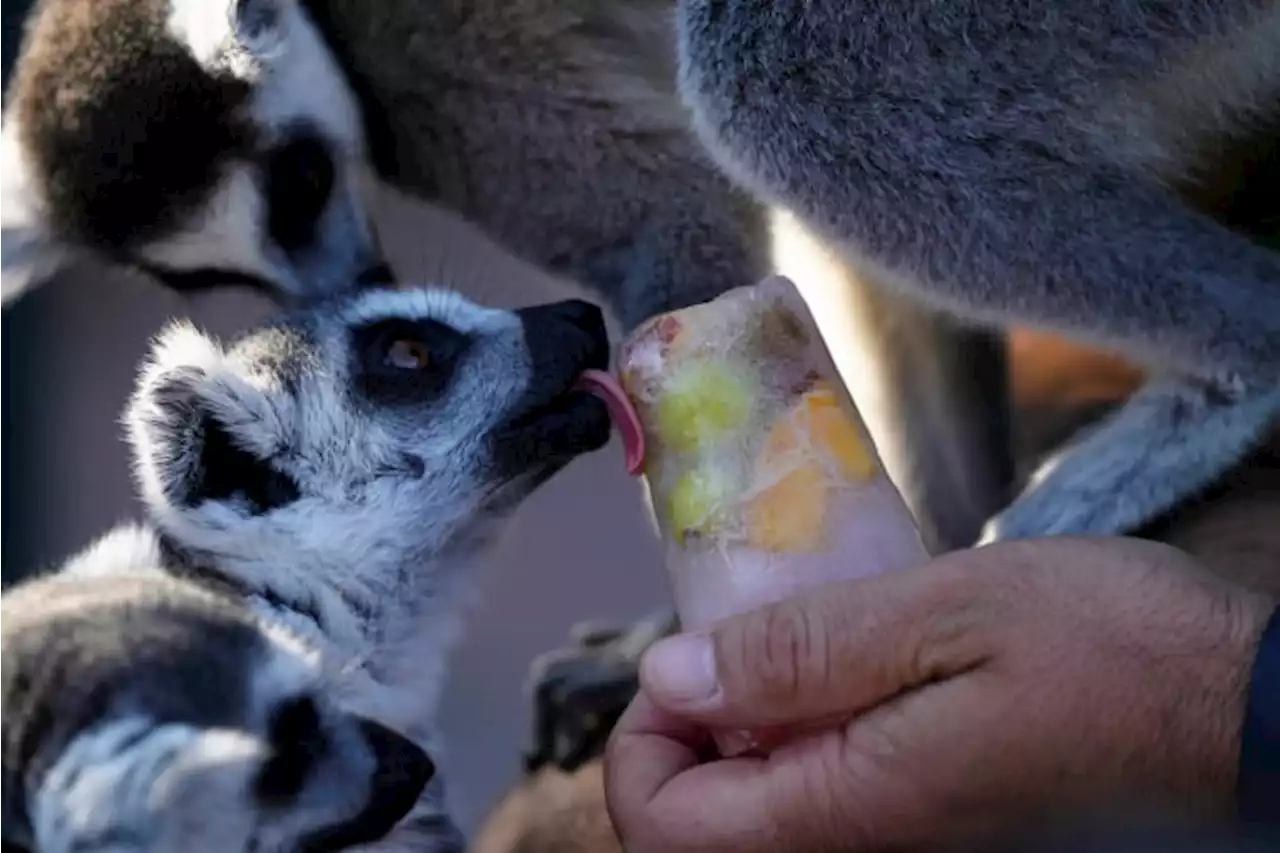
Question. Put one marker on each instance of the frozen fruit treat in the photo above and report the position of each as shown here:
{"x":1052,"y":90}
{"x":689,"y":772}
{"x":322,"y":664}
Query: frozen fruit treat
{"x":762,"y":475}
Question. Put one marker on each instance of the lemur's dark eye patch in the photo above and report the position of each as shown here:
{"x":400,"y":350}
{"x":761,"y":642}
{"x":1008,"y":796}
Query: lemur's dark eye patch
{"x":297,"y":742}
{"x":300,"y":180}
{"x":407,"y":361}
{"x":226,"y":471}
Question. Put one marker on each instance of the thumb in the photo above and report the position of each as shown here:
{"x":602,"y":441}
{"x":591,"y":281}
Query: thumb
{"x":835,"y":650}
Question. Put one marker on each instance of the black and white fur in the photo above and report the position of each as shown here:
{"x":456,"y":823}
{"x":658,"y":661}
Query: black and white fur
{"x":166,"y":133}
{"x":206,"y":142}
{"x":151,"y":714}
{"x":258,"y":667}
{"x":1040,"y":163}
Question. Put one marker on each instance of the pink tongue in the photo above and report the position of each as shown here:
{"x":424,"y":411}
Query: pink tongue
{"x":623,"y":414}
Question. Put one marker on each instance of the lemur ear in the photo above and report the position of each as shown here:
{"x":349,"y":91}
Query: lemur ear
{"x":201,"y":432}
{"x":30,"y":254}
{"x":257,"y":23}
{"x":29,"y":257}
{"x":258,"y":27}
{"x":231,"y":36}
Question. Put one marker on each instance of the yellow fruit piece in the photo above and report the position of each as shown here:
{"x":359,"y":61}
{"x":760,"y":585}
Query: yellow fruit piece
{"x":790,"y":515}
{"x":832,"y":430}
{"x":695,"y":500}
{"x":702,"y":403}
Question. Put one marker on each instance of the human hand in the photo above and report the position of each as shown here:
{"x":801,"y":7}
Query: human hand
{"x":985,"y":688}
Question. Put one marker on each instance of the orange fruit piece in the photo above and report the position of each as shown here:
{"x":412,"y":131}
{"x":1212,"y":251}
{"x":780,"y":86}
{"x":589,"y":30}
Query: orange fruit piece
{"x":819,"y":425}
{"x":790,"y":515}
{"x":831,"y":428}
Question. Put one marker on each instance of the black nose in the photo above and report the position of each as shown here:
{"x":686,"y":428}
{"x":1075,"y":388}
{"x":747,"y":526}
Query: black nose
{"x":581,"y":313}
{"x":564,"y":338}
{"x":379,"y":273}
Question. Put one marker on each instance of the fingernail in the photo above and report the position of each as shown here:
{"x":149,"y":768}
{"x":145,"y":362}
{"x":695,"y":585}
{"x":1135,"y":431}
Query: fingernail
{"x":682,"y":669}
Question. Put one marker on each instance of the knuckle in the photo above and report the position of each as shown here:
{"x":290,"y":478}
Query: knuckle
{"x":788,"y":655}
{"x":955,"y":638}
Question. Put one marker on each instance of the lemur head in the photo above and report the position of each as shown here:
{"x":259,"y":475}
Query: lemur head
{"x":380,"y":430}
{"x":207,"y":141}
{"x":145,"y":714}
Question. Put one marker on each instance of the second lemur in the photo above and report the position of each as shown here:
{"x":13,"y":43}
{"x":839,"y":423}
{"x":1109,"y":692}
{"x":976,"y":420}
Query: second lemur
{"x":1074,"y":167}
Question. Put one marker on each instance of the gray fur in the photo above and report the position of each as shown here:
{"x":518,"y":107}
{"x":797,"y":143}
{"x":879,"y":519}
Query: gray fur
{"x":555,"y":126}
{"x":1028,"y":163}
{"x":305,"y":535}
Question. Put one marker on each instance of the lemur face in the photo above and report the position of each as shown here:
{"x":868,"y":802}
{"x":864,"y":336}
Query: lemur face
{"x":145,"y":715}
{"x":384,"y":427}
{"x":208,"y":141}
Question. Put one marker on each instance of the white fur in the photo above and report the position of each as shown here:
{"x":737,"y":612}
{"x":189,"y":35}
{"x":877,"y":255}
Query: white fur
{"x":28,"y":254}
{"x":131,"y":766}
{"x":304,"y":82}
{"x":226,"y":234}
{"x":295,"y":76}
{"x":16,"y":202}
{"x":130,"y":547}
{"x":447,"y":306}
{"x":206,"y":28}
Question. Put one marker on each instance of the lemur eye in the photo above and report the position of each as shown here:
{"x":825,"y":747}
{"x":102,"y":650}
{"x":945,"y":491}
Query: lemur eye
{"x":300,"y":180}
{"x":407,"y":354}
{"x":399,"y":361}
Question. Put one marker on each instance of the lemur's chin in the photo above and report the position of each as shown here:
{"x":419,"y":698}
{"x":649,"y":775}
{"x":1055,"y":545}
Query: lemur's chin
{"x":572,"y":424}
{"x":534,"y":447}
{"x":577,"y":423}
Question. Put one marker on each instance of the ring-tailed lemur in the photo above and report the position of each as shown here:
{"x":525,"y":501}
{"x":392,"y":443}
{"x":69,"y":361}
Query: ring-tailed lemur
{"x":233,"y":675}
{"x":228,"y":136}
{"x":151,"y":714}
{"x":207,"y":142}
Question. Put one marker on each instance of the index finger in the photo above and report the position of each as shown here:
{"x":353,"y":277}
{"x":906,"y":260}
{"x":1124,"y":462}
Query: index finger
{"x":647,"y":748}
{"x":661,"y":797}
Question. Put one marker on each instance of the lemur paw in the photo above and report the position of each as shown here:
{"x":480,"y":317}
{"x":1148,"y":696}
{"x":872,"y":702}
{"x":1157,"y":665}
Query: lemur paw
{"x":581,"y":690}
